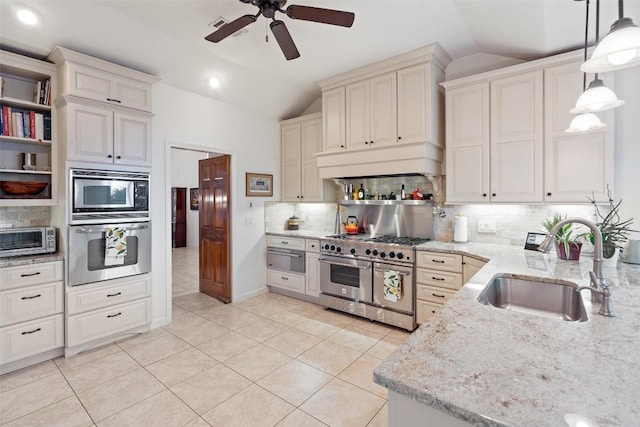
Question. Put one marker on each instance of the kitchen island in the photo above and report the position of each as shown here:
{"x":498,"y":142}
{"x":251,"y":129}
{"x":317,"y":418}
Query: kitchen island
{"x":473,"y":364}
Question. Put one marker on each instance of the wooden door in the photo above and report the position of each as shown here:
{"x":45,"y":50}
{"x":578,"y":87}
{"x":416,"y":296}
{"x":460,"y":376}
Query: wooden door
{"x":178,"y":217}
{"x":215,"y":227}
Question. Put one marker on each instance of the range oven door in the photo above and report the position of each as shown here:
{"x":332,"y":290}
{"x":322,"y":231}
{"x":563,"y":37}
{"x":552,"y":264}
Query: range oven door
{"x":87,"y":253}
{"x":346,"y":278}
{"x":404,"y":302}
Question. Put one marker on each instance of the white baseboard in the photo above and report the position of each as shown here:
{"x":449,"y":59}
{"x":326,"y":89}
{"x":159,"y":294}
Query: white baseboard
{"x":246,"y":295}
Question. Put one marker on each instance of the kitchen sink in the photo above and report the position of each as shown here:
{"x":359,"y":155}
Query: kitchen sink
{"x":552,"y":300}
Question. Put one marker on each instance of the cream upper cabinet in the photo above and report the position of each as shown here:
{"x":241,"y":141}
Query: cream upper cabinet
{"x":517,"y":138}
{"x":100,"y":135}
{"x":301,"y":139}
{"x":414,"y":104}
{"x":371,"y":111}
{"x":576,"y":165}
{"x":467,"y":142}
{"x":333,"y":119}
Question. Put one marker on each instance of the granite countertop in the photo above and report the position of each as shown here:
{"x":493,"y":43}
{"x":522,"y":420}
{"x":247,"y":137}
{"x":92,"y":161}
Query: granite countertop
{"x":30,"y":259}
{"x":307,"y":234}
{"x":495,"y":367}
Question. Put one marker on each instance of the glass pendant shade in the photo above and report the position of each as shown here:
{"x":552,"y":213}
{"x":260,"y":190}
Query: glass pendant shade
{"x":618,"y":50}
{"x":585,"y":122}
{"x":597,"y":97}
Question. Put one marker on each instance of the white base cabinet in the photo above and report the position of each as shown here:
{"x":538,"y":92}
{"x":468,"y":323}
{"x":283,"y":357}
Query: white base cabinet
{"x":303,"y":285}
{"x":31,"y":314}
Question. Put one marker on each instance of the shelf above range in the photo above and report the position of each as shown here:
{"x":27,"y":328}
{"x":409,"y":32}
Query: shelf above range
{"x":385,"y":202}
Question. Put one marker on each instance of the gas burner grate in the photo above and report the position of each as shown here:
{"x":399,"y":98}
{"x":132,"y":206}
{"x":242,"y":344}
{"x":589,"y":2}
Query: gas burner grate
{"x":409,"y":241}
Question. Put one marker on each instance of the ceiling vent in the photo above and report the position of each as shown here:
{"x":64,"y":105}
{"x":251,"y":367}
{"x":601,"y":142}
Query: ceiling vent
{"x":220,"y":21}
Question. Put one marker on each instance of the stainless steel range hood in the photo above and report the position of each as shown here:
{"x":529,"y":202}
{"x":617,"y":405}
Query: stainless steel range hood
{"x":420,"y":158}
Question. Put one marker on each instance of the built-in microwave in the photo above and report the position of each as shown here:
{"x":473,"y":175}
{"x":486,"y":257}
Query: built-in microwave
{"x":27,"y":241}
{"x":99,"y":196}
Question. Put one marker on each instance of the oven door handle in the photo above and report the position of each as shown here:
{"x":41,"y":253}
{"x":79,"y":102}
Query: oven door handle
{"x":406,"y":273}
{"x":284,"y":253}
{"x":100,"y":230}
{"x":360,"y":267}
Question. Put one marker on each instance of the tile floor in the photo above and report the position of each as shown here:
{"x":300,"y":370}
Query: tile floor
{"x":266,"y":361}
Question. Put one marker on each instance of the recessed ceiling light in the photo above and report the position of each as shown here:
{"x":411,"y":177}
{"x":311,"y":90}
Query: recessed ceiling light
{"x":27,"y":17}
{"x":214,"y":82}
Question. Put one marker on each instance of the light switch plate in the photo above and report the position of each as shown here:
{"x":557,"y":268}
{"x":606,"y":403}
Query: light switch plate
{"x":486,"y":226}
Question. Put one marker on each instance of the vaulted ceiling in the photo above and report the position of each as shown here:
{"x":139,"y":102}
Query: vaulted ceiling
{"x":166,"y":38}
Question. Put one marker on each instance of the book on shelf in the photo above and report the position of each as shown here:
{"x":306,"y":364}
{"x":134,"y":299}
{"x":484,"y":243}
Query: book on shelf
{"x":6,"y":121}
{"x":39,"y":131}
{"x":17,"y":124}
{"x":32,"y":123}
{"x":47,"y":128}
{"x":2,"y":80}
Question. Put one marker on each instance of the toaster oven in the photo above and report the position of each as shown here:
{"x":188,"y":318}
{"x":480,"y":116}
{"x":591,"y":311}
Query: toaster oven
{"x":27,"y":241}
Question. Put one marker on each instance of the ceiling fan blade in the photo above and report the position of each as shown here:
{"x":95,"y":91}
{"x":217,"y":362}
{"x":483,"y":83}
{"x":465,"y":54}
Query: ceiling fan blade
{"x":325,"y":16}
{"x":230,"y":27}
{"x":284,"y":39}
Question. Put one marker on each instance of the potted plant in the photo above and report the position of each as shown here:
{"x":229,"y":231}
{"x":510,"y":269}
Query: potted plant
{"x":615,"y":231}
{"x":567,"y":247}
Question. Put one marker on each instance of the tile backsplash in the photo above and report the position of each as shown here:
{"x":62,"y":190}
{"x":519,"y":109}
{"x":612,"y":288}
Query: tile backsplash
{"x":21,"y":216}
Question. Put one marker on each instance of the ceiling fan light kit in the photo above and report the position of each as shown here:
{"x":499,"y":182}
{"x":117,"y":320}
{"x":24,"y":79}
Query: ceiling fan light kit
{"x":268,"y":9}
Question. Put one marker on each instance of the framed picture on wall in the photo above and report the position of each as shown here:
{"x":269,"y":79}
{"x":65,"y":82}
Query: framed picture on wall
{"x":259,"y":185}
{"x":194,"y":194}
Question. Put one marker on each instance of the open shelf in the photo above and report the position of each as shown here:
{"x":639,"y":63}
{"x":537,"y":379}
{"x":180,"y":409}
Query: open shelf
{"x":385,"y":202}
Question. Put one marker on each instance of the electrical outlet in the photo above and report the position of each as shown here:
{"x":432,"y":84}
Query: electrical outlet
{"x":486,"y":226}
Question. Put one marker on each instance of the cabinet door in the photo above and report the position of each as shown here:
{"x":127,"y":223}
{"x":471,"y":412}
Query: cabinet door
{"x":311,"y":132}
{"x":576,"y":165}
{"x":87,"y":82}
{"x":132,"y":140}
{"x":333,"y":117}
{"x":291,"y":178}
{"x":89,"y":134}
{"x":357,"y":114}
{"x":383,"y":110}
{"x":413,"y":104}
{"x":516,"y":138}
{"x":312,"y":279}
{"x":132,"y":93}
{"x":467,"y":130}
{"x":470,"y":266}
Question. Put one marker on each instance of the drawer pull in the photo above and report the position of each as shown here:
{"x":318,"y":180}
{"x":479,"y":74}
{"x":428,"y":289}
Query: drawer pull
{"x":113,"y":315}
{"x":114,"y":100}
{"x":438,"y":278}
{"x":284,"y":243}
{"x":437,"y":296}
{"x":285,"y":278}
{"x":438,"y":261}
{"x":31,"y":297}
{"x":31,"y":274}
{"x":31,"y":332}
{"x":114,"y":295}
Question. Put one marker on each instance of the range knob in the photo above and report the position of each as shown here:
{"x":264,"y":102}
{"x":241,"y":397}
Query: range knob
{"x":382,"y":255}
{"x":400,"y":255}
{"x":333,"y":247}
{"x":353,"y":251}
{"x":392,"y":254}
{"x":326,"y":246}
{"x":368,"y":252}
{"x":338,"y":249}
{"x":375,"y":252}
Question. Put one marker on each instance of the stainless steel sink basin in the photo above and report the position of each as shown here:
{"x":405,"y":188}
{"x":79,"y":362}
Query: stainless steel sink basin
{"x":552,"y":300}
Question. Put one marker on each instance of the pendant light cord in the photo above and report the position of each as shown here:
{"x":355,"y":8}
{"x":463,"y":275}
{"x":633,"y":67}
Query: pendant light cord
{"x":620,"y":9}
{"x":598,"y":26}
{"x":586,"y":40}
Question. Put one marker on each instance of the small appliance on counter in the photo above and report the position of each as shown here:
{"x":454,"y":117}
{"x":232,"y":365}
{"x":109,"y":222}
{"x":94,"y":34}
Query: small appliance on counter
{"x":293,"y":223}
{"x":22,"y":241}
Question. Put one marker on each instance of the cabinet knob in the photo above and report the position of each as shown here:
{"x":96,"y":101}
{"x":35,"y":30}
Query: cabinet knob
{"x":484,"y":194}
{"x":366,"y":142}
{"x":493,"y":194}
{"x":118,"y":157}
{"x":297,"y":197}
{"x":342,"y":146}
{"x":109,"y":156}
{"x":371,"y":142}
{"x":302,"y":197}
{"x":548,"y":194}
{"x":399,"y":138}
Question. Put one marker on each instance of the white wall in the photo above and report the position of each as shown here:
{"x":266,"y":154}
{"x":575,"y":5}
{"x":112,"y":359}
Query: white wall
{"x":184,"y":119}
{"x":184,"y":173}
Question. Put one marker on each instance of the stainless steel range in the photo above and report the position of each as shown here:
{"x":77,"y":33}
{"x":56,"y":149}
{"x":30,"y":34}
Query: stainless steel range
{"x":372,"y":277}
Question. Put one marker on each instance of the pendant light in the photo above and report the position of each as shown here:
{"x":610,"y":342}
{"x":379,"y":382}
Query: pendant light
{"x":619,"y":49}
{"x":597,"y":97}
{"x":585,"y":121}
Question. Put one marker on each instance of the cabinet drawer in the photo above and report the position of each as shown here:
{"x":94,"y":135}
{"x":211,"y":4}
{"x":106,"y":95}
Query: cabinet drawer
{"x":18,"y":305}
{"x":425,"y":309}
{"x":105,"y":296}
{"x":86,"y":327}
{"x":312,"y":245}
{"x":440,"y":279}
{"x":31,"y":338}
{"x":285,"y":242}
{"x":433,"y":294}
{"x":292,"y":282}
{"x":32,"y":274}
{"x":439,"y":261}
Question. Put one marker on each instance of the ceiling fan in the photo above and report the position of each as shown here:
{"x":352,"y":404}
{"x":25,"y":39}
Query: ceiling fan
{"x":268,"y":9}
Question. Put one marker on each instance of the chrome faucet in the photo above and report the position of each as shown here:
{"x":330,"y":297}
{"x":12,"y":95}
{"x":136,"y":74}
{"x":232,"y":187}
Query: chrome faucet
{"x":597,"y":277}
